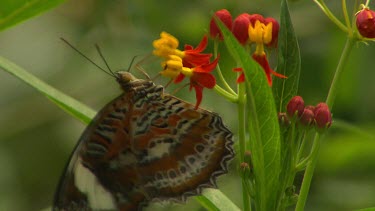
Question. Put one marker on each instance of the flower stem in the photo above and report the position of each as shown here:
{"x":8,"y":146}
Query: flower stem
{"x":315,"y":148}
{"x":232,"y":98}
{"x":330,"y":15}
{"x":221,"y":76}
{"x":241,"y":104}
{"x":340,"y":67}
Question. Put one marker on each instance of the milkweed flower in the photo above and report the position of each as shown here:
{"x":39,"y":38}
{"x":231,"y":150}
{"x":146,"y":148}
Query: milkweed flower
{"x":263,"y":32}
{"x":241,"y":27}
{"x":168,"y":45}
{"x":190,"y":63}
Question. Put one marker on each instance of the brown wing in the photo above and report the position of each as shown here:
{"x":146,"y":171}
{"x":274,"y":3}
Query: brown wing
{"x":145,"y":146}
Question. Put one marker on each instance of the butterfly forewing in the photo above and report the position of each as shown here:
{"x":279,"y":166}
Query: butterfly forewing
{"x":143,"y":146}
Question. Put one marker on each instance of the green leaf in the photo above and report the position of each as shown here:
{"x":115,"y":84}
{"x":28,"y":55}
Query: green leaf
{"x":15,"y":11}
{"x":263,"y":125}
{"x":215,"y":200}
{"x":289,"y":61}
{"x":212,"y":199}
{"x":70,"y":105}
{"x":367,"y":209}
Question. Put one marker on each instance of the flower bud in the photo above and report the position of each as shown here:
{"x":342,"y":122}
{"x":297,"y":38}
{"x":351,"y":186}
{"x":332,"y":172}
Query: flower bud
{"x":295,"y":106}
{"x":366,"y":23}
{"x":275,"y":31}
{"x":226,"y":18}
{"x":254,"y":17}
{"x":283,"y":119}
{"x":322,"y":116}
{"x":307,"y":117}
{"x":321,"y":105}
{"x":241,"y":27}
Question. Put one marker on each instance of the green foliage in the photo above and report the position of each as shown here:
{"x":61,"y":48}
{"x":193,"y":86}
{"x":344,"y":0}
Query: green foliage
{"x":289,"y":61}
{"x":15,"y":11}
{"x":263,"y":125}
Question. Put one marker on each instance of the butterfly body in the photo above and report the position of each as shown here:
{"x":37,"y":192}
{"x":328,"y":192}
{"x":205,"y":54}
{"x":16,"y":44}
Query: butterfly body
{"x":144,"y":146}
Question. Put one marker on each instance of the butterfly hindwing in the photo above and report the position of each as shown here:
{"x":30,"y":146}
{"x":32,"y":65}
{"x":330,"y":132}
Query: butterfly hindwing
{"x":145,"y":145}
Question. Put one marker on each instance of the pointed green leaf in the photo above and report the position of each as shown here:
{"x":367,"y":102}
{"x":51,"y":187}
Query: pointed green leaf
{"x":289,"y":61}
{"x":263,"y":124}
{"x":15,"y":11}
{"x":72,"y":106}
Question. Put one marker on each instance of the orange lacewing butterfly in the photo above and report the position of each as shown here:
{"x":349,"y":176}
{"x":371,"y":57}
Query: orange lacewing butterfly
{"x":145,"y":145}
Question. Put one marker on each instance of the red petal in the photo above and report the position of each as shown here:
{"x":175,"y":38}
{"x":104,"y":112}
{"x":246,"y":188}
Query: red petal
{"x":202,"y":45}
{"x":188,"y":47}
{"x":206,"y":68}
{"x":262,"y":61}
{"x":179,"y":78}
{"x":198,"y":94}
{"x":237,"y":69}
{"x":241,"y":78}
{"x":278,"y":74}
{"x":196,"y":59}
{"x":204,"y":79}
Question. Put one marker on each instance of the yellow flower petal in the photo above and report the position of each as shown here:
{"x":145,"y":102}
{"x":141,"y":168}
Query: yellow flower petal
{"x":166,"y":45}
{"x":267,"y":33}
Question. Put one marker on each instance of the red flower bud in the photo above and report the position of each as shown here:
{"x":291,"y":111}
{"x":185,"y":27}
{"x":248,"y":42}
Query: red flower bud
{"x":295,"y":105}
{"x":275,"y":31}
{"x":226,"y":18}
{"x":366,"y":23}
{"x":307,"y":117}
{"x":322,"y":116}
{"x":254,"y":17}
{"x":241,"y":28}
{"x":310,"y":107}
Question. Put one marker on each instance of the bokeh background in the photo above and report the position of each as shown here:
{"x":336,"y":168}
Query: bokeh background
{"x":36,"y":137}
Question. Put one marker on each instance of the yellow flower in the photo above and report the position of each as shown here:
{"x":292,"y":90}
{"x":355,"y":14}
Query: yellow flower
{"x":166,"y":45}
{"x":173,"y":66}
{"x":261,"y":34}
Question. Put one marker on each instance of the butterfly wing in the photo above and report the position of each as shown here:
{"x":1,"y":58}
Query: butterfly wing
{"x":145,"y":146}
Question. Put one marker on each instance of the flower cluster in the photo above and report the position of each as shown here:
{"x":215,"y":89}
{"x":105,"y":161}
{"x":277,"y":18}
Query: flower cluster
{"x":250,"y":29}
{"x":309,"y":115}
{"x":190,"y":62}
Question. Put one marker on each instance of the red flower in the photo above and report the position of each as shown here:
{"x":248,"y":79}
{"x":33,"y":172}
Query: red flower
{"x":241,"y":27}
{"x":200,"y":77}
{"x":275,"y":31}
{"x":366,"y":23}
{"x":193,"y":56}
{"x":226,"y":18}
{"x":262,"y":61}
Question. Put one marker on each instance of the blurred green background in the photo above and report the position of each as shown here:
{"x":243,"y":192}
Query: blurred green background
{"x":36,"y":137}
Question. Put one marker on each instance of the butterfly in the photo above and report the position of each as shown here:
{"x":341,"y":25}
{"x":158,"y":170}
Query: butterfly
{"x":143,"y":146}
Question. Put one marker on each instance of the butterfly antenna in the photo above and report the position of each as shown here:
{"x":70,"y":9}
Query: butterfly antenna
{"x":104,"y":60}
{"x":87,"y":58}
{"x":140,"y":68}
{"x":179,"y":89}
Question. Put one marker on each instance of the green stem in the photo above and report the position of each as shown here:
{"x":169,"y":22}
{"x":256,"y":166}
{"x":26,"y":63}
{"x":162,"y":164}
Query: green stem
{"x":242,"y":139}
{"x":232,"y":98}
{"x":330,"y":15}
{"x":221,"y":76}
{"x":315,"y":148}
{"x":340,"y":67}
